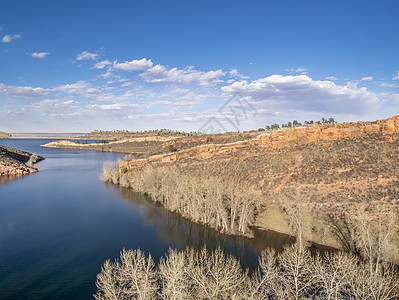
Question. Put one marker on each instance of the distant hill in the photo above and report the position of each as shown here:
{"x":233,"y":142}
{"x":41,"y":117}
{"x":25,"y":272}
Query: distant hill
{"x":4,"y":135}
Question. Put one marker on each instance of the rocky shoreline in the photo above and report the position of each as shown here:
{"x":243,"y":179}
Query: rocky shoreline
{"x":17,"y":162}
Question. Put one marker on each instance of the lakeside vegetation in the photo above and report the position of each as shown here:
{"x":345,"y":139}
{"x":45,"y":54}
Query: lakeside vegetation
{"x":365,"y":268}
{"x":223,"y":205}
{"x":340,"y":190}
{"x":295,"y":273}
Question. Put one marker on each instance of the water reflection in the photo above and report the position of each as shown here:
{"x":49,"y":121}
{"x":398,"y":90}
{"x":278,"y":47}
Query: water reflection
{"x":7,"y":178}
{"x":181,"y":232}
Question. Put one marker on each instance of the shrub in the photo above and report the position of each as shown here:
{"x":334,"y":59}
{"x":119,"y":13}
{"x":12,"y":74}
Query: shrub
{"x":172,"y":148}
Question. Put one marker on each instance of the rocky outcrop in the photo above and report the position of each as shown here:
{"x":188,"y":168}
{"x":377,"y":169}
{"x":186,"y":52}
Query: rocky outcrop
{"x":276,"y":139}
{"x":4,"y":135}
{"x":17,"y":162}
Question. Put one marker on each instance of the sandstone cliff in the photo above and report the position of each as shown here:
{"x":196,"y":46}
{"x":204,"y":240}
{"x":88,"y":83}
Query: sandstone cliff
{"x":277,"y":139}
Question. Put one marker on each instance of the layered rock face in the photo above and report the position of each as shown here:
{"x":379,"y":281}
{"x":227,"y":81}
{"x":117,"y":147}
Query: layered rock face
{"x":17,"y":162}
{"x":276,"y":139}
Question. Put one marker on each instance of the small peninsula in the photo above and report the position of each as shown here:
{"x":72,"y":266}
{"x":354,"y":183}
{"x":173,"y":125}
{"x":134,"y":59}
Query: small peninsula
{"x":4,"y":135}
{"x":17,"y":162}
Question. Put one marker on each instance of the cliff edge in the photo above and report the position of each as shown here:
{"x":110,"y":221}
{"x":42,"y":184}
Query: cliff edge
{"x":313,"y":134}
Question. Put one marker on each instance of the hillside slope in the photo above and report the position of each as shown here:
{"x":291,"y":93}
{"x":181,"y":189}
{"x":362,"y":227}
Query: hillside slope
{"x":330,"y":168}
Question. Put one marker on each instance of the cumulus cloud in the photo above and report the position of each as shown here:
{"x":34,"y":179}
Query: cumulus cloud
{"x":369,"y":78}
{"x":102,"y":64}
{"x":160,"y":74}
{"x":9,"y":37}
{"x":22,"y":91}
{"x":86,"y":55}
{"x":134,"y":65}
{"x":40,"y":54}
{"x":396,"y":76}
{"x":301,"y":92}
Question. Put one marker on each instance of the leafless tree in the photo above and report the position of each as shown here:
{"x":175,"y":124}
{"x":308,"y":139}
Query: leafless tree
{"x":215,"y":276}
{"x":331,"y":274}
{"x":375,"y":230}
{"x":296,"y":276}
{"x":263,"y":282}
{"x":203,"y":199}
{"x":175,"y":284}
{"x":110,"y":172}
{"x":108,"y":282}
{"x":133,"y":277}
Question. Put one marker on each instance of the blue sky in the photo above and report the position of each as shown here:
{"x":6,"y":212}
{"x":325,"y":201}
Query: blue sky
{"x":76,"y":66}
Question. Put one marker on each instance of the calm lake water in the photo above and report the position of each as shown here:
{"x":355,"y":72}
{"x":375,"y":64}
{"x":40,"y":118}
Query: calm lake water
{"x":59,"y":225}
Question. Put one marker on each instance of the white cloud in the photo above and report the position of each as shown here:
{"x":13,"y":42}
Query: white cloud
{"x":40,"y":54}
{"x":391,"y":85}
{"x":80,"y":88}
{"x":134,"y":65}
{"x":106,"y":75}
{"x":333,"y":78}
{"x":299,"y":70}
{"x":234,"y":72}
{"x":53,"y":105}
{"x":160,"y":74}
{"x":352,"y":84}
{"x":179,"y":91}
{"x":301,"y":92}
{"x":125,"y":84}
{"x":369,"y":78}
{"x":9,"y":37}
{"x":86,"y":55}
{"x":395,"y":75}
{"x":23,"y":91}
{"x":114,"y":106}
{"x":102,"y":64}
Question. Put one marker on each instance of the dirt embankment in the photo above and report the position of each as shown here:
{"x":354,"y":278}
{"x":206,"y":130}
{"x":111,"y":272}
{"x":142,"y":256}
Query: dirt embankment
{"x":17,"y":162}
